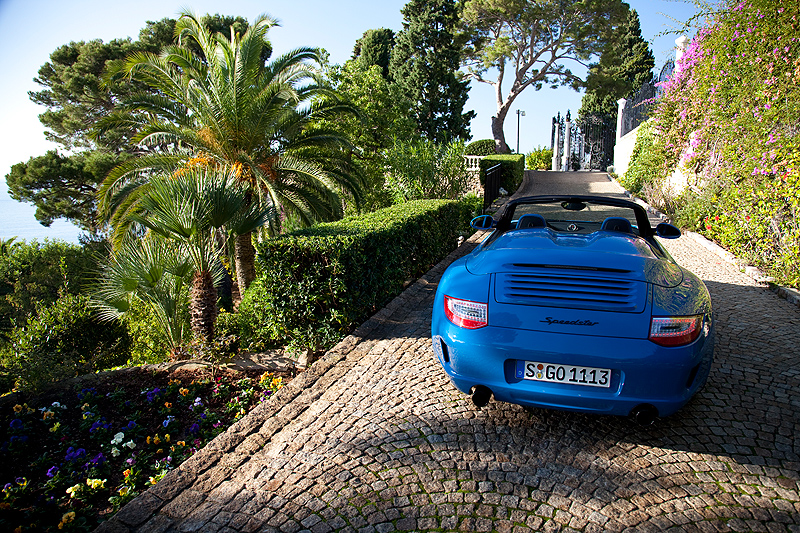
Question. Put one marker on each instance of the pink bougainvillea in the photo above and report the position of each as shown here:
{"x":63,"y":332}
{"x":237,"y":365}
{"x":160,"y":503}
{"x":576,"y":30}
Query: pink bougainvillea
{"x":731,"y":115}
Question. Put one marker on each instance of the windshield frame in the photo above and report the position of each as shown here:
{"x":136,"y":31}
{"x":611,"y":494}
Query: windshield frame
{"x":642,"y":221}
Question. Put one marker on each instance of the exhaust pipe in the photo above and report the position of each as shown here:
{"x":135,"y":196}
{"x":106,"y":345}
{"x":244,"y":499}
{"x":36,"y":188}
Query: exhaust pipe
{"x":481,"y":395}
{"x":644,"y":414}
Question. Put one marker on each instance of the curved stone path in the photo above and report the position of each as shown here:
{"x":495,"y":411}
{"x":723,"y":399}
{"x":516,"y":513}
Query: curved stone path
{"x":374,"y":438}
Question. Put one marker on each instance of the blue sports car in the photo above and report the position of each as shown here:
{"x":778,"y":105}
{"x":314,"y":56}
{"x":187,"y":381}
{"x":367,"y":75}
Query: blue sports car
{"x":572,"y":303}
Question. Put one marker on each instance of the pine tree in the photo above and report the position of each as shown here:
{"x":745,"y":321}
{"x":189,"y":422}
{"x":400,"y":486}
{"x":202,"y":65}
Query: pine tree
{"x":625,"y":65}
{"x":425,"y":63}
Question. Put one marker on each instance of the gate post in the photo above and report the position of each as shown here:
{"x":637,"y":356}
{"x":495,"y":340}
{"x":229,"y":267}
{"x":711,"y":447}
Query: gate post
{"x":620,"y":110}
{"x":556,"y":144}
{"x":567,"y":147}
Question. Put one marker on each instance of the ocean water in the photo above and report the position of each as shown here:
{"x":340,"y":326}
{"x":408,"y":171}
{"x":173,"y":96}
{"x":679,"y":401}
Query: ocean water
{"x":17,"y":220}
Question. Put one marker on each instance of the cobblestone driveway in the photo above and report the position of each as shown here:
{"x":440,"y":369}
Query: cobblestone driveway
{"x":374,"y":438}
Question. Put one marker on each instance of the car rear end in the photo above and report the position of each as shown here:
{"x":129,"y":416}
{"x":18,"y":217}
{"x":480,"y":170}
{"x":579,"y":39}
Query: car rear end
{"x":574,"y":328}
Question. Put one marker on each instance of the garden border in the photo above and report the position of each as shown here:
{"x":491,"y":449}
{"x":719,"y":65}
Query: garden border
{"x":248,"y":435}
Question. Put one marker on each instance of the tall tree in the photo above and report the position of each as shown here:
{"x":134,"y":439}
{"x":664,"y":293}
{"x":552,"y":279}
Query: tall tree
{"x":62,"y":186}
{"x":375,"y":48}
{"x":224,"y":107}
{"x":625,"y":64}
{"x":190,"y":209}
{"x":533,"y":41}
{"x":425,"y":63}
{"x":384,"y":115}
{"x":76,"y":95}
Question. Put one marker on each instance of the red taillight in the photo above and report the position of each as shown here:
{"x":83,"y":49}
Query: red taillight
{"x":675,"y":330}
{"x":466,"y":314}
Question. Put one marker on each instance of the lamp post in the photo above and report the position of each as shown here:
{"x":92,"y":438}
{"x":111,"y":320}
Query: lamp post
{"x":520,"y":113}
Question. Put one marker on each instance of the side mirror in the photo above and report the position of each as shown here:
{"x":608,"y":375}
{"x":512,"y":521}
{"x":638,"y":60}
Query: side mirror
{"x":667,"y":231}
{"x":483,"y":222}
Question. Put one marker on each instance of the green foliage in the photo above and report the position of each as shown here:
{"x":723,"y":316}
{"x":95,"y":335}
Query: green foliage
{"x":32,"y":274}
{"x":647,"y":161}
{"x":186,"y":216}
{"x":512,"y":170}
{"x":62,"y":186}
{"x":425,"y":65}
{"x":224,"y":107}
{"x":541,"y":158}
{"x":148,"y":279}
{"x":513,"y":36}
{"x":149,"y":345}
{"x":62,"y":340}
{"x":375,"y":48}
{"x":318,"y":283}
{"x":728,"y":118}
{"x":480,"y":147}
{"x":76,"y":95}
{"x":420,"y":169}
{"x":384,"y":114}
{"x":625,"y":64}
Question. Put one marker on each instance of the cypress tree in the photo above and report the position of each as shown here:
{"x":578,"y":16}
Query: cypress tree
{"x":424,"y":65}
{"x":625,"y":65}
{"x":375,"y":48}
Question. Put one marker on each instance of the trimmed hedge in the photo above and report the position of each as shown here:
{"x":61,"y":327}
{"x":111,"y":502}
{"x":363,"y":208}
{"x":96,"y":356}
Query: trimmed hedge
{"x":480,"y":147}
{"x":513,"y":170}
{"x":318,"y":283}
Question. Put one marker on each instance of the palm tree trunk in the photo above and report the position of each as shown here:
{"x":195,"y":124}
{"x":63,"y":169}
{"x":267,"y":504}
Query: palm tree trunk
{"x":236,"y":295}
{"x":203,"y":306}
{"x":245,"y":261}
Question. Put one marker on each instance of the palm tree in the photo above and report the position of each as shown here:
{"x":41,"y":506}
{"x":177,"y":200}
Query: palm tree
{"x":154,"y":272}
{"x":184,"y":214}
{"x":224,"y":106}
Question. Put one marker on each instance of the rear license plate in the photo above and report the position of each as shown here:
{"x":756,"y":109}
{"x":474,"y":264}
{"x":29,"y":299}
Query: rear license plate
{"x":573,"y":375}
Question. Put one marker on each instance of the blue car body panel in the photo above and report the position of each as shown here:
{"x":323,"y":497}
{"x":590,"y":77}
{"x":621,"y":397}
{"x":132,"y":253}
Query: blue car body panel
{"x":577,"y":299}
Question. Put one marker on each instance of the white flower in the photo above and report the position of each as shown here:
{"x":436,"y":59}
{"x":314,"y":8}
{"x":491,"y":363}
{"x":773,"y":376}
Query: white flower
{"x":118,"y":438}
{"x":130,"y":444}
{"x":115,"y":451}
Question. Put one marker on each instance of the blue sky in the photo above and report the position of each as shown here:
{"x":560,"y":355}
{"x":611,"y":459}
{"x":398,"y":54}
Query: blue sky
{"x":31,"y":29}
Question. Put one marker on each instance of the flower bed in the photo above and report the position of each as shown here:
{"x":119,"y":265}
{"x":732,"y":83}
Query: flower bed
{"x":72,"y":460}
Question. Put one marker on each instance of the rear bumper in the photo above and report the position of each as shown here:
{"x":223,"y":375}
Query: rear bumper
{"x":642,"y":372}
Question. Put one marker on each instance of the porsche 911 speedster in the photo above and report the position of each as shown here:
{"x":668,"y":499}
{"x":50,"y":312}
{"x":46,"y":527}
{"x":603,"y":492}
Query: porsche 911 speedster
{"x":572,"y":303}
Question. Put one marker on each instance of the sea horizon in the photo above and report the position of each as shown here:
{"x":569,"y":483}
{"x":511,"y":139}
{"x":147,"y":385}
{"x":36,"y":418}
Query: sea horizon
{"x":17,"y":219}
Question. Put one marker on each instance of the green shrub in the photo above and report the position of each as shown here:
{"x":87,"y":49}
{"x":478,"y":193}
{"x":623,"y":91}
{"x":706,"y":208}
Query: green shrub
{"x":32,"y":273}
{"x":480,"y":147}
{"x":148,"y":345}
{"x":512,"y":170}
{"x":647,"y":161}
{"x":420,"y":169}
{"x":540,"y":158}
{"x":318,"y":283}
{"x":62,"y":340}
